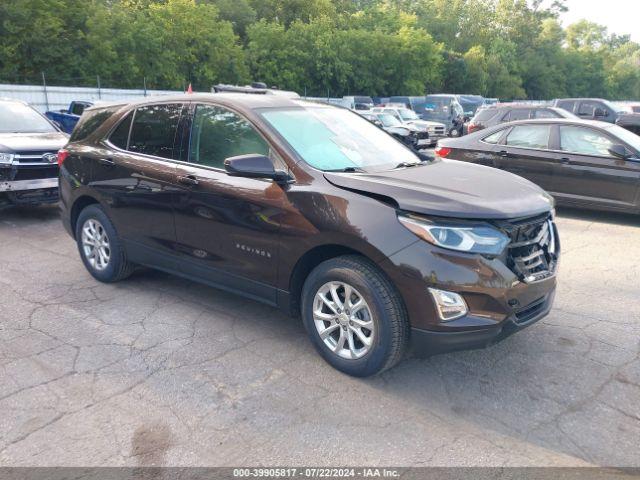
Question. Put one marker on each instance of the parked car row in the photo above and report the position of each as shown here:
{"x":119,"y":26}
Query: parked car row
{"x":313,"y":209}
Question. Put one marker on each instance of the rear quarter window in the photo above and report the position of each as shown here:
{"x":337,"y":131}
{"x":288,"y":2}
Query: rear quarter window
{"x":89,"y":122}
{"x":484,"y":115}
{"x":494,"y":137}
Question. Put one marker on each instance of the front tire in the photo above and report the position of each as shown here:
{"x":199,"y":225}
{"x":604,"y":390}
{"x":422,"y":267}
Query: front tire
{"x":354,"y":316}
{"x":100,"y":247}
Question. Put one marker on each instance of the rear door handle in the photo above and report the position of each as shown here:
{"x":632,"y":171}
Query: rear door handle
{"x":107,"y":162}
{"x":188,"y":180}
{"x":565,"y":160}
{"x":503,"y":153}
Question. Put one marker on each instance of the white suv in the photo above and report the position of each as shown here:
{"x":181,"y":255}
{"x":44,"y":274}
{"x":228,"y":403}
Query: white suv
{"x":436,"y":130}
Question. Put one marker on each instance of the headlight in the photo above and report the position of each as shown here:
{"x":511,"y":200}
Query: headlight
{"x":6,"y":157}
{"x":472,"y":238}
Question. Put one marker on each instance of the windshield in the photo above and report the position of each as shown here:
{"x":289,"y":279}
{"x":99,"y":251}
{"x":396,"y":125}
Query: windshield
{"x":19,"y":118}
{"x":626,"y":136}
{"x":334,"y":139}
{"x":469,"y":108}
{"x":407,"y":114}
{"x":389,"y":120}
{"x":437,"y":104}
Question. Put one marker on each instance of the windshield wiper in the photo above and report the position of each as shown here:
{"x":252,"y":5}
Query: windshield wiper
{"x":346,"y":170}
{"x":407,"y":164}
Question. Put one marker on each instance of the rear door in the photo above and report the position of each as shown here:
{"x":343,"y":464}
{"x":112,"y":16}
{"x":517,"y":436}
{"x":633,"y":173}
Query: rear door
{"x":135,"y":177}
{"x":588,"y":173}
{"x":525,"y":152}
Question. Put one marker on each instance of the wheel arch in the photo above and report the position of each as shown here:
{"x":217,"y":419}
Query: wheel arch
{"x":78,"y":205}
{"x":314,"y":257}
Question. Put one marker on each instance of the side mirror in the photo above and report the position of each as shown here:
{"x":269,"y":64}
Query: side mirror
{"x":599,"y":112}
{"x":253,"y":165}
{"x":619,"y":151}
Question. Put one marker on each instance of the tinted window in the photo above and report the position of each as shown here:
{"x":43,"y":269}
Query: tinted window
{"x":517,"y":114}
{"x":588,"y":108}
{"x":120,"y":136}
{"x":530,"y":136}
{"x":90,"y":122}
{"x":77,"y":109}
{"x":485,"y":114}
{"x":544,"y":113}
{"x":494,"y":137}
{"x":218,"y":134}
{"x":584,"y":141}
{"x":567,"y":104}
{"x":154,"y":130}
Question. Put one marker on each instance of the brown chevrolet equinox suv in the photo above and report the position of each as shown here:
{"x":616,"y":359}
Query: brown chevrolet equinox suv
{"x":311,"y":208}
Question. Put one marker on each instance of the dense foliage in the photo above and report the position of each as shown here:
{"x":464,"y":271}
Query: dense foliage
{"x":497,"y":48}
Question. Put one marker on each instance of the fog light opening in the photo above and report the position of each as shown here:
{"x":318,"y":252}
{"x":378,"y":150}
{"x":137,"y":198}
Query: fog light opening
{"x":449,"y":305}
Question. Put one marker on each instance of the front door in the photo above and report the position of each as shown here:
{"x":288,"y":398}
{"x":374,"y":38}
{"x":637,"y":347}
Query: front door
{"x":228,"y":227}
{"x":589,"y":173}
{"x":525,"y":152}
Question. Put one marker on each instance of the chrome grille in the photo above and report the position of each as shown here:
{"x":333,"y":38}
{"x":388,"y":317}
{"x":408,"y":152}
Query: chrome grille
{"x":33,"y":157}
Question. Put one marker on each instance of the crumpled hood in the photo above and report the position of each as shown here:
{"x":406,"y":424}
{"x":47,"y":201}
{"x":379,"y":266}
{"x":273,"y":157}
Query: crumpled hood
{"x":452,"y":189}
{"x":17,"y":142}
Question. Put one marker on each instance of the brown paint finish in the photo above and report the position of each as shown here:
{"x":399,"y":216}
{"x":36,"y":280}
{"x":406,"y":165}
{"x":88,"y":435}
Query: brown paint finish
{"x":260,"y":237}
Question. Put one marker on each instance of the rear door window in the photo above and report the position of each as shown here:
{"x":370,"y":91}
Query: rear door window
{"x":529,"y":136}
{"x":154,"y":130}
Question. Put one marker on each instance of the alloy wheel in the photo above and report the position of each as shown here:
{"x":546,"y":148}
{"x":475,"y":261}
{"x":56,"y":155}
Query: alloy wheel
{"x":343,"y":320}
{"x":95,"y":244}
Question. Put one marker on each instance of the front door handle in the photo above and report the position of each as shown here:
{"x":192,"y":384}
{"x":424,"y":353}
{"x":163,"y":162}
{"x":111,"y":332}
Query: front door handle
{"x":503,"y":153}
{"x":188,"y":180}
{"x":565,"y":160}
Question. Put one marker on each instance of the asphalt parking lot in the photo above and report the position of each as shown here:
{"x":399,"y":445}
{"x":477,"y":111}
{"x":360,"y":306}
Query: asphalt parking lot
{"x":158,"y":370}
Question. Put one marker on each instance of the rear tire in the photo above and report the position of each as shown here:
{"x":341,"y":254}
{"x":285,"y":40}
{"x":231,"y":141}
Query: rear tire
{"x":100,"y":247}
{"x":363,"y":334}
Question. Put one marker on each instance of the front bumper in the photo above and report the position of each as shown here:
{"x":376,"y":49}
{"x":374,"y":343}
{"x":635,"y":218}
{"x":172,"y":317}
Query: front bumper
{"x":431,"y":342}
{"x":22,"y":185}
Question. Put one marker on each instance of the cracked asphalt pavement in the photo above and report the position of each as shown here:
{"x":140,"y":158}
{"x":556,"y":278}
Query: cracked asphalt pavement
{"x":157,"y":370}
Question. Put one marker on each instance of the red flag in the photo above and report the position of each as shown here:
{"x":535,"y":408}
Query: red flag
{"x":189,"y":89}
